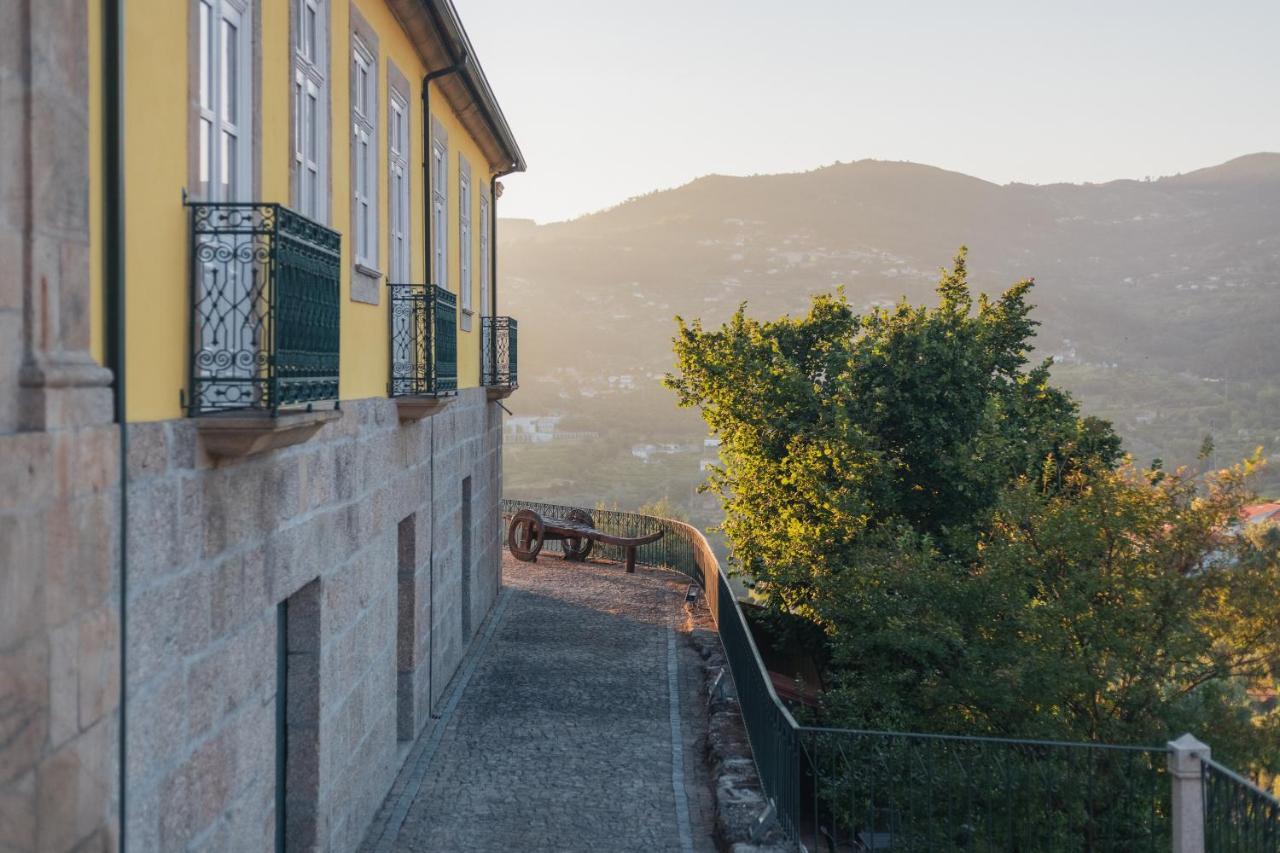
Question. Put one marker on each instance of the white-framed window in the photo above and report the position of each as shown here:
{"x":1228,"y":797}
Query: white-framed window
{"x":485,"y":256}
{"x":464,"y":234}
{"x":398,"y":185}
{"x":310,"y":108}
{"x":439,"y":206}
{"x":225,"y":136}
{"x":364,"y":178}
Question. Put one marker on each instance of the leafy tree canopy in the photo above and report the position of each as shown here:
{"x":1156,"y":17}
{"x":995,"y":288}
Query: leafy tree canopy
{"x":979,"y":555}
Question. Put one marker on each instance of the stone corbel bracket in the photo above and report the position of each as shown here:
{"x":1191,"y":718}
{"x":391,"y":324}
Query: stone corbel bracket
{"x":415,"y":408}
{"x":235,"y":434}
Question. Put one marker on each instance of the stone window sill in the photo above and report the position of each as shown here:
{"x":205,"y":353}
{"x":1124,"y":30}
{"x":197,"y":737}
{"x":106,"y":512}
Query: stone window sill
{"x":239,"y":434}
{"x":365,"y":283}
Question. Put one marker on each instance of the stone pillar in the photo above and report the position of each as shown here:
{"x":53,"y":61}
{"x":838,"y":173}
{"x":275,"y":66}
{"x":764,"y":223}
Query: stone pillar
{"x":44,"y":218}
{"x":1185,"y":757}
{"x":59,"y":455}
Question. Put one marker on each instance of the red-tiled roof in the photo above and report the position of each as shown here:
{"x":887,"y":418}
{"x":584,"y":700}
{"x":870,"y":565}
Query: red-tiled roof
{"x":1257,"y":513}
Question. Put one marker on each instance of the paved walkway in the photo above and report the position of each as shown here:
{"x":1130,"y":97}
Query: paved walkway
{"x":576,"y":724}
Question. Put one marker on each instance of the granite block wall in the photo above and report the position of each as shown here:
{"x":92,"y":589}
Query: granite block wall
{"x":358,"y":529}
{"x":59,"y":638}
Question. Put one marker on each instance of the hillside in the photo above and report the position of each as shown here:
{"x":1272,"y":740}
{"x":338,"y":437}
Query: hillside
{"x":1159,"y":298}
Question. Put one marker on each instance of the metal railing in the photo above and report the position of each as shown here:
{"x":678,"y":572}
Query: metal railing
{"x":424,"y":340}
{"x":891,"y":791}
{"x":1238,"y":815}
{"x":841,"y":789}
{"x":264,"y":308}
{"x":498,"y":352}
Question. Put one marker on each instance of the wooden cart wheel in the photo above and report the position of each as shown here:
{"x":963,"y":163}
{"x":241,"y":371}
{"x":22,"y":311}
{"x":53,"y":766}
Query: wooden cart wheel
{"x":578,"y":547}
{"x":525,"y":535}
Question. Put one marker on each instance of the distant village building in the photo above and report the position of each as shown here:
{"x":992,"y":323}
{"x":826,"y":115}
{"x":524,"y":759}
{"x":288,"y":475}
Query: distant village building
{"x":646,"y":452}
{"x":1263,"y":513}
{"x":531,"y":429}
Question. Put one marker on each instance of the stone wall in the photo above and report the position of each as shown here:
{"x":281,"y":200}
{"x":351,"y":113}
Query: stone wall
{"x":59,"y":638}
{"x":359,"y":530}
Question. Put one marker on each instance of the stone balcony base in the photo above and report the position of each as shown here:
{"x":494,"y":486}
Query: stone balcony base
{"x":236,"y":434}
{"x":499,"y":392}
{"x":415,"y":408}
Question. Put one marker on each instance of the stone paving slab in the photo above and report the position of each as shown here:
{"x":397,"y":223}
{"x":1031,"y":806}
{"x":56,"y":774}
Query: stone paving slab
{"x":559,"y":734}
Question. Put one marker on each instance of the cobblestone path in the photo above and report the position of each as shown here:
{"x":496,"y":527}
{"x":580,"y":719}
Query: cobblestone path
{"x":560,"y":733}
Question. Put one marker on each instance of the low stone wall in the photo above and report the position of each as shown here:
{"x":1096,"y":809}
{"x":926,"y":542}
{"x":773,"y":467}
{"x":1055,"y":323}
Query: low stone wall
{"x":360,"y":532}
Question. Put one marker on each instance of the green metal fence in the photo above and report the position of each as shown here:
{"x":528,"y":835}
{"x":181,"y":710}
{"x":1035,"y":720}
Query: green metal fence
{"x":1239,"y":817}
{"x":914,"y":792}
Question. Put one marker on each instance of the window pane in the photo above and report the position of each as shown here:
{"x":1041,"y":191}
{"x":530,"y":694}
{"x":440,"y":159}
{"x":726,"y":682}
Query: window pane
{"x":312,"y":124}
{"x":206,"y":55}
{"x":229,"y":70}
{"x":362,"y":166}
{"x":309,"y":29}
{"x":364,"y":229}
{"x":313,"y":202}
{"x":304,"y":187}
{"x":440,"y":169}
{"x":299,"y":120}
{"x":228,"y":165}
{"x":394,"y":224}
{"x":206,"y":152}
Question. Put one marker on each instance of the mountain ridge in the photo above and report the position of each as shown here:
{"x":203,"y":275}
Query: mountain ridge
{"x":1260,"y":165}
{"x":1169,"y":284}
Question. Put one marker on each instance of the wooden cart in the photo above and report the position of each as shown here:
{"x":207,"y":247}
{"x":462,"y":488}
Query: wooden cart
{"x":576,"y":533}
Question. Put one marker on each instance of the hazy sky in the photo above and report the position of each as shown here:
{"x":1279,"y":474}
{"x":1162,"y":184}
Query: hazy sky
{"x":614,"y":98}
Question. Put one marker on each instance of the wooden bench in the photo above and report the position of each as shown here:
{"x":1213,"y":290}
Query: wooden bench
{"x":576,"y":533}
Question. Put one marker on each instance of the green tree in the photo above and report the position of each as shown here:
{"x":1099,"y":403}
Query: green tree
{"x":835,"y":426}
{"x":978,"y":555}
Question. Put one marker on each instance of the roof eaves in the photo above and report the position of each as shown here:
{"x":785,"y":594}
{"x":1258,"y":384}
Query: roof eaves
{"x":446,"y":15}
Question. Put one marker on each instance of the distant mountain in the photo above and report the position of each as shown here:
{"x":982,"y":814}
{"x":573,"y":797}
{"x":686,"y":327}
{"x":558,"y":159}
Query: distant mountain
{"x":1140,"y":284}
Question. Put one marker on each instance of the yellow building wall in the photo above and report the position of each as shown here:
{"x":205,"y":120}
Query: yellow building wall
{"x":156,"y":284}
{"x":272,"y":96}
{"x":156,"y":121}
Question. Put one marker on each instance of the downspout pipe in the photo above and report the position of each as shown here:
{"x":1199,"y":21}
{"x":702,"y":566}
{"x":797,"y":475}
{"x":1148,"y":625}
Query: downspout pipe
{"x":427,"y":154}
{"x":113,"y":233}
{"x":426,"y":161}
{"x":493,"y":237}
{"x":470,"y":85}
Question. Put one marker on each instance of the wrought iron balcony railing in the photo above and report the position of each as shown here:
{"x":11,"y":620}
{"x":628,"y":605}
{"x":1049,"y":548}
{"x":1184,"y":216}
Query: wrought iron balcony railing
{"x":498,"y":352}
{"x":424,"y":340}
{"x":264,"y":308}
